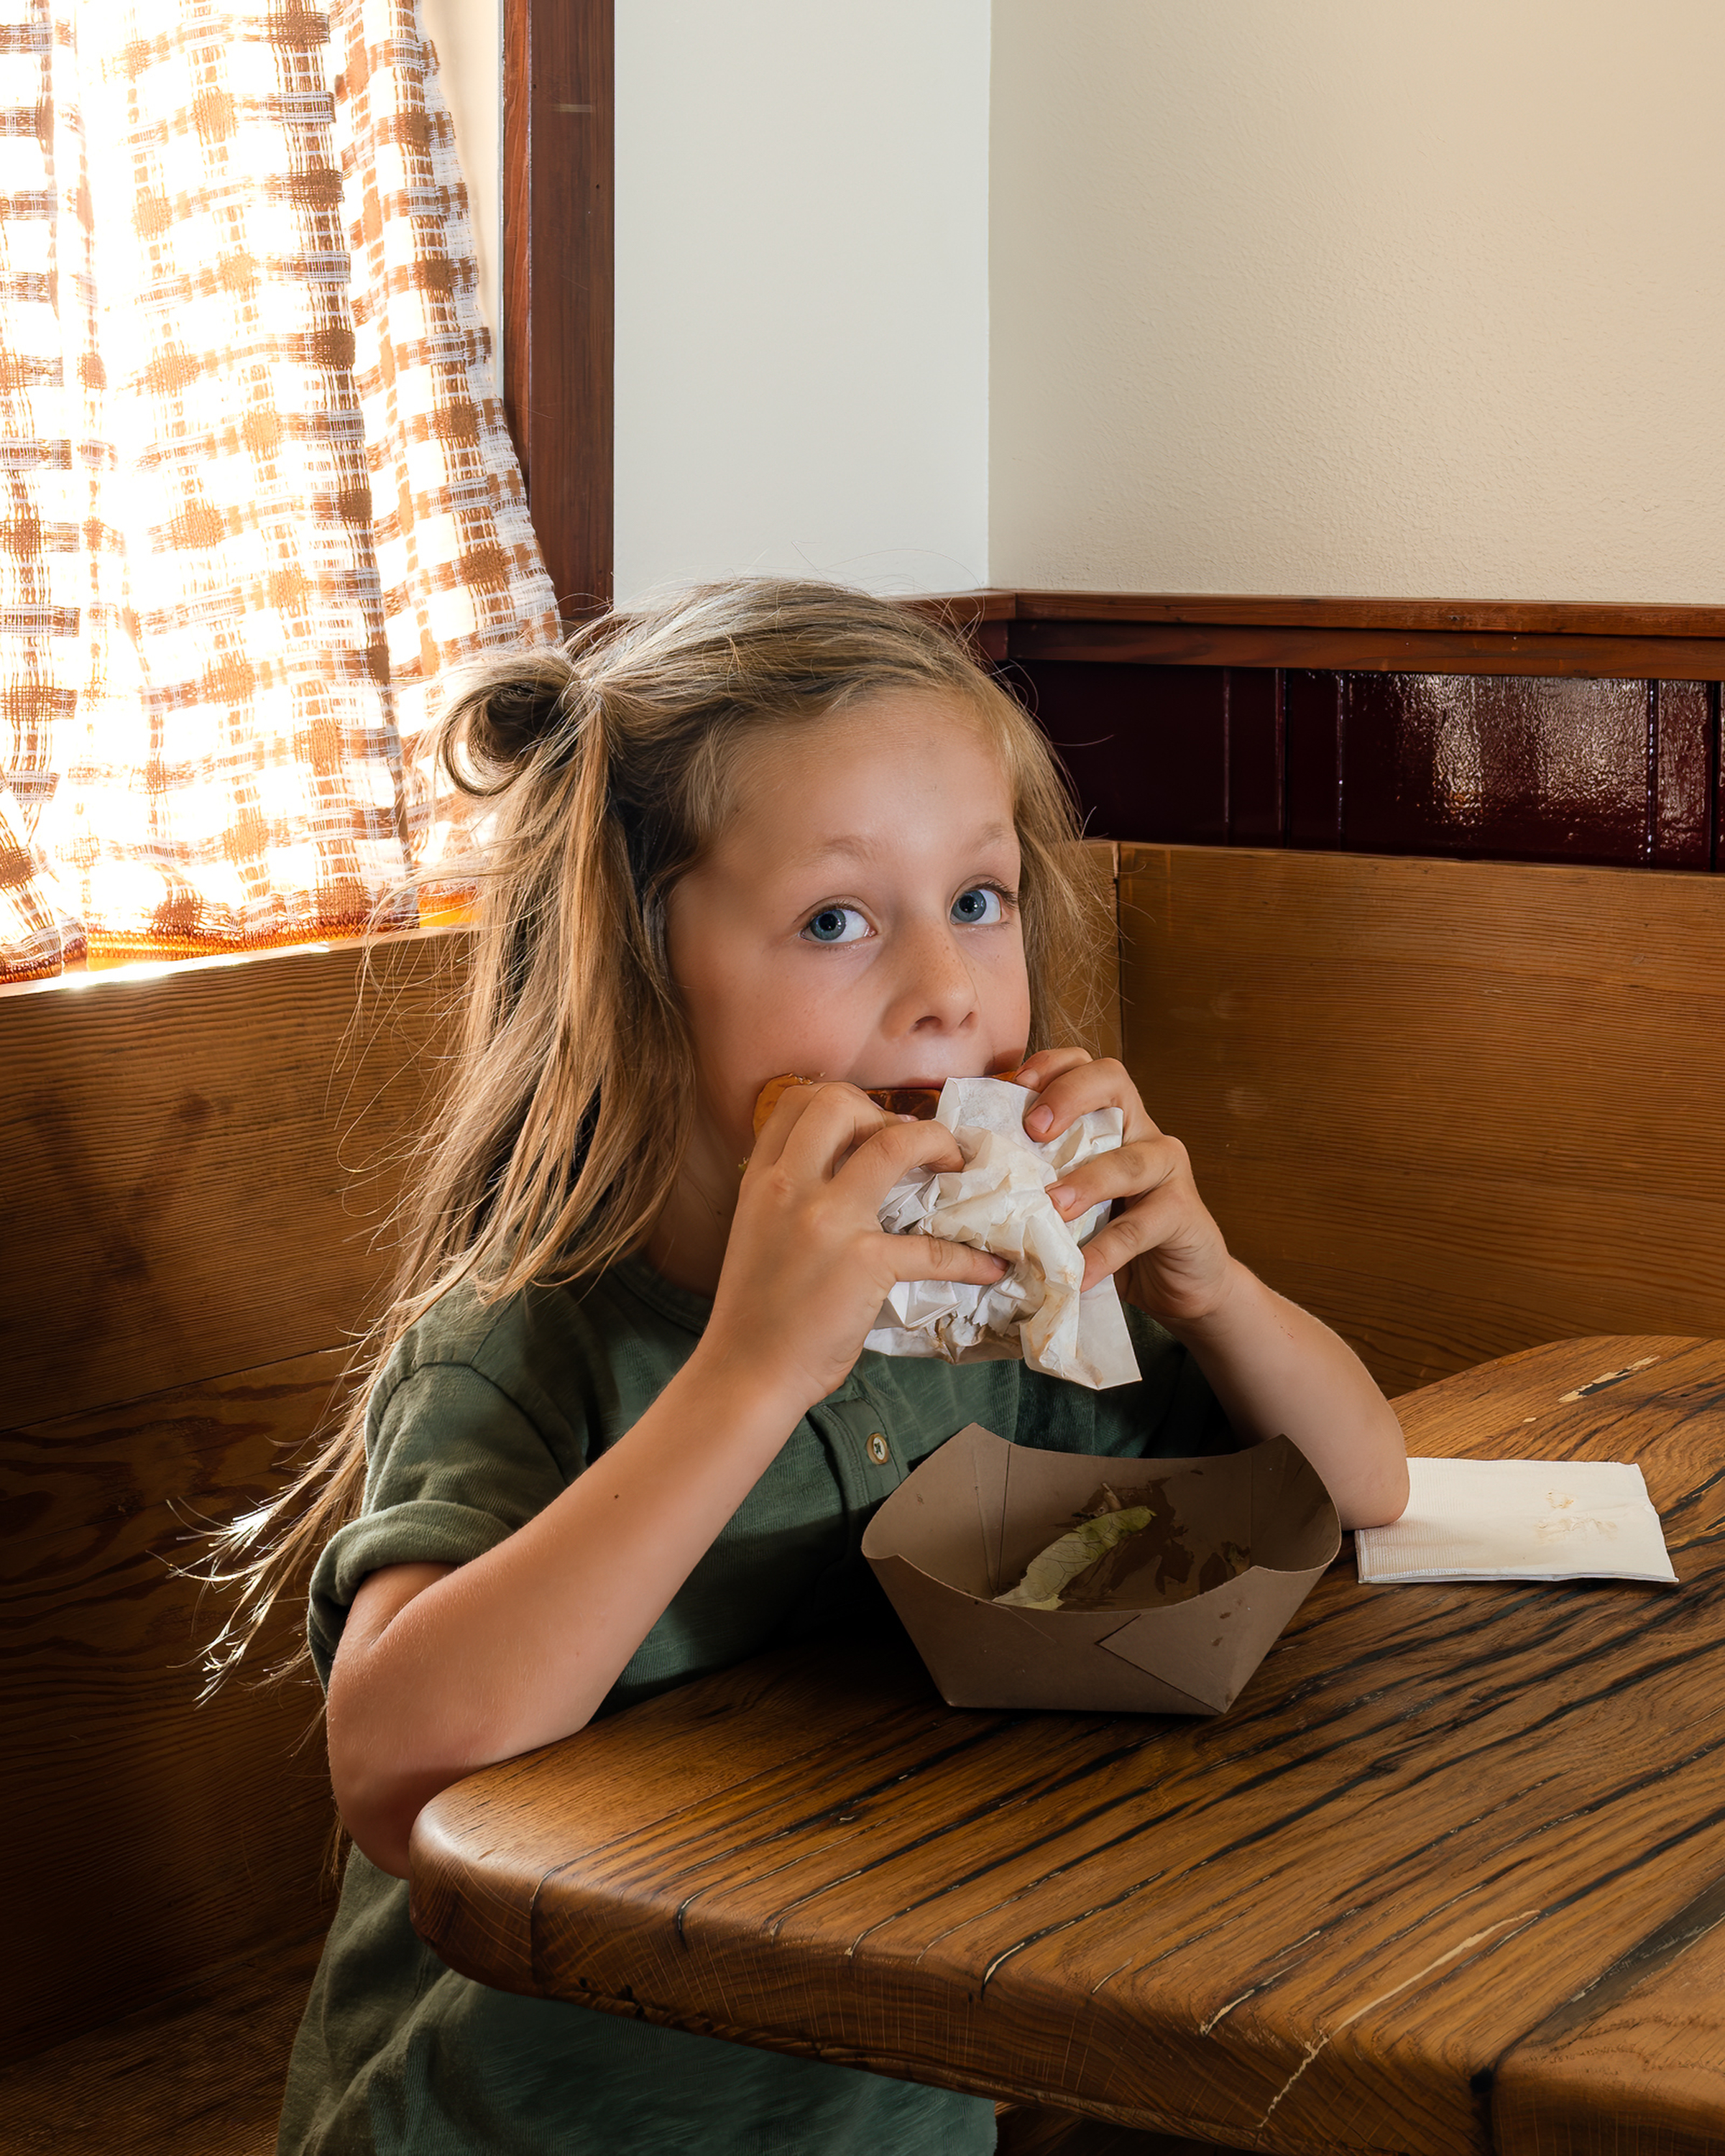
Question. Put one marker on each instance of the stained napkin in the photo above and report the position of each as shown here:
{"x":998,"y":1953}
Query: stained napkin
{"x":998,"y":1202}
{"x":1519,"y":1519}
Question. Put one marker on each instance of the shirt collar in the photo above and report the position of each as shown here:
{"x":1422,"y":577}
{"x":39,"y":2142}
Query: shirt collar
{"x":682,"y":1306}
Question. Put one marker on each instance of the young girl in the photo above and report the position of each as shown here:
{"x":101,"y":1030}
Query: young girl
{"x":624,"y":1431}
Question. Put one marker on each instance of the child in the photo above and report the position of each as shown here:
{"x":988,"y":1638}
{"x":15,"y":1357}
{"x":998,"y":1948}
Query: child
{"x":622,"y":1432}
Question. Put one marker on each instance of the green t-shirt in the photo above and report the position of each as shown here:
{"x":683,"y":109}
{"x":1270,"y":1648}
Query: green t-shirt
{"x":481,"y":1417}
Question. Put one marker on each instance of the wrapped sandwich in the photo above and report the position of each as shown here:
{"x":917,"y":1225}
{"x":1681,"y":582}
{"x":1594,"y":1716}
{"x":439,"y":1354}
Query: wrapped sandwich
{"x":999,"y":1202}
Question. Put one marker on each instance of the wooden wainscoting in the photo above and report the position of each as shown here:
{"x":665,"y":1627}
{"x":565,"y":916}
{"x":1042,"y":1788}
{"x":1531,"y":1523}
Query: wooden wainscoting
{"x":1457,"y":1108}
{"x":1454,"y":727}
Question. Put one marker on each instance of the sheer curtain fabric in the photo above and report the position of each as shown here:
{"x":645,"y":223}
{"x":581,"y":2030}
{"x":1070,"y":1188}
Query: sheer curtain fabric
{"x":260,"y":494}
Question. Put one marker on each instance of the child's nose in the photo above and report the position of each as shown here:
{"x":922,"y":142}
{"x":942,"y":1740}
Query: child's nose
{"x":936,"y":991}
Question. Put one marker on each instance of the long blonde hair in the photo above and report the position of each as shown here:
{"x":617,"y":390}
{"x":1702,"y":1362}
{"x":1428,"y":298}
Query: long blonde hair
{"x":567,"y":1105}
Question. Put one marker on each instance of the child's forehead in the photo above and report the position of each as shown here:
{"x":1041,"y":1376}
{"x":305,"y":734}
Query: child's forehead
{"x":866,"y":846}
{"x":884,"y":728}
{"x":862,"y":782}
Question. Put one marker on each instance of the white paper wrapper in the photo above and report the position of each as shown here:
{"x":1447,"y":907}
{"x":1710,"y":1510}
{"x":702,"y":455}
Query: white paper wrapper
{"x":1519,"y":1519}
{"x":998,"y":1203}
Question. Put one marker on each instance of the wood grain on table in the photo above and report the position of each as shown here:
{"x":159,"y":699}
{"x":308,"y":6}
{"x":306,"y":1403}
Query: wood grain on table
{"x":1445,"y":1829}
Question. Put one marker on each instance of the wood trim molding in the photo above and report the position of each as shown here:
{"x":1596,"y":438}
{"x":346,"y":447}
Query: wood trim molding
{"x":967,"y":607}
{"x":559,"y":282}
{"x":1486,"y":616}
{"x":1370,"y":650}
{"x":1362,"y":635}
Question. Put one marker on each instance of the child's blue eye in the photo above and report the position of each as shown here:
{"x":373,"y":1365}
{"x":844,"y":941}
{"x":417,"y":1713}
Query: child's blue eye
{"x":836,"y":924}
{"x":979,"y":908}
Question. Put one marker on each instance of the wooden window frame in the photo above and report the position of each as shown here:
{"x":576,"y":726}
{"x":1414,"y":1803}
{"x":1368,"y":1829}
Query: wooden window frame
{"x":559,"y":73}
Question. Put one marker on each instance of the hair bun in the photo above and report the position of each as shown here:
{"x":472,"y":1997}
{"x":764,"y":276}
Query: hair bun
{"x":499,"y":713}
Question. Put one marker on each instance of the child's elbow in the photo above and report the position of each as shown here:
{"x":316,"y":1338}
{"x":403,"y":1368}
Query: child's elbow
{"x":1379,"y":1500}
{"x":380,"y":1781}
{"x":379,"y":1818}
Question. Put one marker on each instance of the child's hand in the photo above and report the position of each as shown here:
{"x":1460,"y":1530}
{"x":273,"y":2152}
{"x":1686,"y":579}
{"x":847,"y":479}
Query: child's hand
{"x":808,"y":1264}
{"x":1167,"y":1250}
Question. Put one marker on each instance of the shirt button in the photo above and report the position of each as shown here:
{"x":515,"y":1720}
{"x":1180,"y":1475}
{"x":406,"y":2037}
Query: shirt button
{"x":878,"y":1451}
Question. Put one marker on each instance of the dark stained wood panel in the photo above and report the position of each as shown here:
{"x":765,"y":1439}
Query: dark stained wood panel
{"x":1193,"y":754}
{"x":1512,"y":768}
{"x":1113,"y":733}
{"x":196,"y":1165}
{"x":1686,"y":724}
{"x":1514,"y":732}
{"x":1508,"y":767}
{"x":1454,"y":1107}
{"x":162,"y":1836}
{"x":1315,"y":1924}
{"x":1257,"y":757}
{"x":1316,"y":738}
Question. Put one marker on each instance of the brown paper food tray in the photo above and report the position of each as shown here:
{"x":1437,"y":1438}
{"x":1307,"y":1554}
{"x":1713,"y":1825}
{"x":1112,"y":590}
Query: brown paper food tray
{"x":961,"y":1528}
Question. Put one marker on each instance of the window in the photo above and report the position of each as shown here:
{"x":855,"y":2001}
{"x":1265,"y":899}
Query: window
{"x":259,"y":493}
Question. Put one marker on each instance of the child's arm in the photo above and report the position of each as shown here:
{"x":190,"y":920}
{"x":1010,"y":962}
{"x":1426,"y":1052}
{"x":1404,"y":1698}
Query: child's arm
{"x":1273,"y":1366}
{"x":440,"y":1672}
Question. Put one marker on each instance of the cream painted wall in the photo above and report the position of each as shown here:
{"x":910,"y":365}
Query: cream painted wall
{"x":1359,"y":295}
{"x":1349,"y":296}
{"x":802,"y":294}
{"x":469,"y":38}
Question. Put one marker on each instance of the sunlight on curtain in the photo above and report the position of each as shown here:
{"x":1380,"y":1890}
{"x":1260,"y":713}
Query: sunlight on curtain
{"x":259,"y":491}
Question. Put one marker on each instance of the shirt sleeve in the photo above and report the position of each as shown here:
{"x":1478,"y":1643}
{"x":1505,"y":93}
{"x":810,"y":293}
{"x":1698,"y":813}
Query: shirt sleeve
{"x":454,"y":1467}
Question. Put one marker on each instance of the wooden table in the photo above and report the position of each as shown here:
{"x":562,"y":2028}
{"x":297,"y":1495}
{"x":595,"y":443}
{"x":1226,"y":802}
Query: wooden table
{"x":1450,"y":1876}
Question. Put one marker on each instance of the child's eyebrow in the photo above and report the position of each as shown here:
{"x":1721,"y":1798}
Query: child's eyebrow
{"x":856,"y":847}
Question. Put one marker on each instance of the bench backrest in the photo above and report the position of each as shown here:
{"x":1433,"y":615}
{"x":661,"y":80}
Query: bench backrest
{"x":1455,"y":1108}
{"x":186,"y":1246}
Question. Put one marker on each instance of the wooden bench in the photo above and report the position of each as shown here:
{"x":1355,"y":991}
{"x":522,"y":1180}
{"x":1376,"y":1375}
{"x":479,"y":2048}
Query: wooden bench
{"x":1456,"y":1107}
{"x":195,"y":1167}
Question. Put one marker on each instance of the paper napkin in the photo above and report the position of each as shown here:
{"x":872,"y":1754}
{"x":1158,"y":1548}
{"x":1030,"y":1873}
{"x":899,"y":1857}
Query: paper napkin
{"x":1519,"y":1519}
{"x":998,"y":1201}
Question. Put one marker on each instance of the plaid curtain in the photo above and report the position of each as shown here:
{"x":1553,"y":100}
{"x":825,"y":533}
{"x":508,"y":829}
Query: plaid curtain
{"x":258,"y":494}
